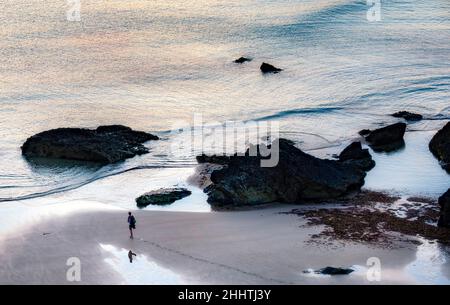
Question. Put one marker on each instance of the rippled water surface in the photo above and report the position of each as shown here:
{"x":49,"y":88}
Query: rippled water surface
{"x":147,"y":64}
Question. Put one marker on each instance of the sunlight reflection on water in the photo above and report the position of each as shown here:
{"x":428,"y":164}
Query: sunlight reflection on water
{"x":142,"y":271}
{"x":427,"y":268}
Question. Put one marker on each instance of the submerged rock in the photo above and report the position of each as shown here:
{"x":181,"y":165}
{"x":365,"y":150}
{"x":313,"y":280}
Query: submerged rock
{"x":440,"y":146}
{"x":444,"y":217}
{"x":215,"y":159}
{"x":268,"y":68}
{"x":163,"y":196}
{"x":242,"y":60}
{"x":388,"y":138}
{"x":106,"y":144}
{"x":334,"y":271}
{"x":409,"y":116}
{"x":297,"y":177}
{"x":355,"y":155}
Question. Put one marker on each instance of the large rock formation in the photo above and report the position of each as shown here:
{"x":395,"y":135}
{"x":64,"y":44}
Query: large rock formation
{"x":298,"y":177}
{"x":162,"y":197}
{"x":106,"y":144}
{"x":440,"y":146}
{"x":355,"y":155}
{"x":386,"y":139}
{"x":444,"y":218}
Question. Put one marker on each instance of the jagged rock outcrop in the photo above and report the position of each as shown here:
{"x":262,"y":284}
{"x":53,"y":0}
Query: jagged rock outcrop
{"x":298,"y":177}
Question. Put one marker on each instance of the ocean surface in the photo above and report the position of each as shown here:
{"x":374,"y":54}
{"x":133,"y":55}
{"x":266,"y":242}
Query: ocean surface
{"x":149,"y":64}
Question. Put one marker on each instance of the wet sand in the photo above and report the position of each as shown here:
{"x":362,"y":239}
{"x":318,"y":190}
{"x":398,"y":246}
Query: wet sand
{"x":241,"y":247}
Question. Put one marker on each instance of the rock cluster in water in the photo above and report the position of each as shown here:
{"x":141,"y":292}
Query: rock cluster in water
{"x":106,"y":144}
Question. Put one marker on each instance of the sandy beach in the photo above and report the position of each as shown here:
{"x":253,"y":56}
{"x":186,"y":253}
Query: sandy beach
{"x":240,"y":247}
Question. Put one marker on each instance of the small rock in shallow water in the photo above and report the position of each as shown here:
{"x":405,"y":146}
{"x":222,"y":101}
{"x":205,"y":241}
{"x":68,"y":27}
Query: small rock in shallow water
{"x":409,"y":116}
{"x":268,"y":68}
{"x":334,"y":271}
{"x":163,"y":196}
{"x":241,"y":60}
{"x":388,"y":138}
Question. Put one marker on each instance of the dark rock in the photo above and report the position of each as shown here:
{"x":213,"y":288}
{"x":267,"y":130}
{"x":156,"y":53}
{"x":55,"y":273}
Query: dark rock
{"x":334,"y":271}
{"x":242,"y":60}
{"x":409,"y":116}
{"x":388,"y":138}
{"x":355,"y":155}
{"x":364,"y":132}
{"x":106,"y":144}
{"x":112,"y":129}
{"x":440,"y":146}
{"x":268,"y":68}
{"x":162,"y":197}
{"x":297,"y":177}
{"x":354,"y":152}
{"x":444,"y":217}
{"x":215,"y":159}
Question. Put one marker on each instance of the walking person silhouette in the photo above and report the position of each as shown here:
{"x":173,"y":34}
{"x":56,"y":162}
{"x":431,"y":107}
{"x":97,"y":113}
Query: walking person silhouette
{"x":130,"y":255}
{"x":131,"y":224}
